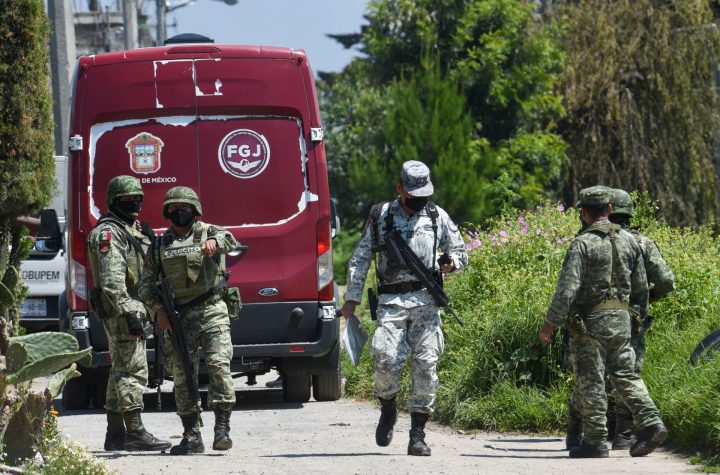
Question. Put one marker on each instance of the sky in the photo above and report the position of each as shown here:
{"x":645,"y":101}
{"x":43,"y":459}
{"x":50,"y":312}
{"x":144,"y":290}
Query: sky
{"x":299,"y":24}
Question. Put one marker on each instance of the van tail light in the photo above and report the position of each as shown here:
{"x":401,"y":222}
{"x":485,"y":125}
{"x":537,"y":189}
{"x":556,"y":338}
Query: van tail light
{"x":77,"y":263}
{"x":324,"y":260}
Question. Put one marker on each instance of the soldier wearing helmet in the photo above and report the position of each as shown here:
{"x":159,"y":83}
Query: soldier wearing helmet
{"x":117,"y":247}
{"x":192,"y":256}
{"x":661,"y":281}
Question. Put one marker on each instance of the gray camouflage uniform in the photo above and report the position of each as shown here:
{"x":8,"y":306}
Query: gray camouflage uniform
{"x":602,"y":341}
{"x":407,"y":323}
{"x":207,"y":324}
{"x":116,"y":269}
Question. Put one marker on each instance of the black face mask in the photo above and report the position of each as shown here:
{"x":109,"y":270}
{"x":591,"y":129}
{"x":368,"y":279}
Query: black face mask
{"x":181,"y":217}
{"x":128,"y":210}
{"x":416,"y":204}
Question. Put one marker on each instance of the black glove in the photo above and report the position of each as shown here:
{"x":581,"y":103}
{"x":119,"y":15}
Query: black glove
{"x":135,"y":323}
{"x":147,"y":230}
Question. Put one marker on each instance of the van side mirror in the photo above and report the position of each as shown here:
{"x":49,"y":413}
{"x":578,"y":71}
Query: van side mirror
{"x":334,"y":220}
{"x":49,"y":237}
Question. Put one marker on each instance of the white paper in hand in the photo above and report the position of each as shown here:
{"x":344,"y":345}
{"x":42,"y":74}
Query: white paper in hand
{"x":353,"y":338}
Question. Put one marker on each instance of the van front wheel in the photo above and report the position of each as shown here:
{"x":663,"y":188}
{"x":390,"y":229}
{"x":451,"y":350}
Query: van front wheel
{"x":328,"y":386}
{"x":296,"y":388}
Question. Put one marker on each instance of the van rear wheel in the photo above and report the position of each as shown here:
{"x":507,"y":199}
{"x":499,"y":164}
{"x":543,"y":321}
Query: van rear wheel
{"x":75,"y":394}
{"x":327,"y":387}
{"x":296,"y":388}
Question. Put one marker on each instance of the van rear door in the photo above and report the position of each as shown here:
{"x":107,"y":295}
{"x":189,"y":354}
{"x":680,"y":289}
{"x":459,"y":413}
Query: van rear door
{"x":256,"y":170}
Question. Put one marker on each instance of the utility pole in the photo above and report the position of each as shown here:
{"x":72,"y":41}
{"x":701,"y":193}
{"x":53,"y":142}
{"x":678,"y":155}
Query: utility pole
{"x":161,"y":22}
{"x":130,"y":16}
{"x":62,"y":65}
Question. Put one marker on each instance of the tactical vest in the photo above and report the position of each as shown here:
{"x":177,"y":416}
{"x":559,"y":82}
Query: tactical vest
{"x":136,"y":259}
{"x":612,"y":298}
{"x":191,"y":274}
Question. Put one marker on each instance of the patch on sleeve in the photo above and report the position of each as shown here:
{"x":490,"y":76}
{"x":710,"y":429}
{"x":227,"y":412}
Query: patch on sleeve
{"x":104,"y":241}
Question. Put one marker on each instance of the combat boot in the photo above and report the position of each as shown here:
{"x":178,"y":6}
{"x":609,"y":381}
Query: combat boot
{"x":222,"y":430}
{"x":624,"y":438}
{"x":573,"y":439}
{"x":115,"y":434}
{"x":191,"y":442}
{"x":388,"y":418}
{"x":417,"y":445}
{"x":139,"y":439}
{"x":649,"y":439}
{"x":587,"y":451}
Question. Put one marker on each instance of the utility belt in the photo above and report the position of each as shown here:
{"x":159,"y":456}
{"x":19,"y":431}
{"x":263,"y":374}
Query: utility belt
{"x":400,"y":288}
{"x":208,"y":297}
{"x":610,"y":304}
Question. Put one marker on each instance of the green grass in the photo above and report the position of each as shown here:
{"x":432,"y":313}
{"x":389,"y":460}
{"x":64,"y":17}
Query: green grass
{"x":496,"y":375}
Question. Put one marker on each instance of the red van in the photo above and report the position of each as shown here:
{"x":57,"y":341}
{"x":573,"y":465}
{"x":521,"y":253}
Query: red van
{"x":241,"y":126}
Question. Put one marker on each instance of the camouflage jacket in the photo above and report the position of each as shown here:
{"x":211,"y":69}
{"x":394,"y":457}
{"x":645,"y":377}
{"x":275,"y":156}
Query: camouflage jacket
{"x":418,"y":232}
{"x":659,"y":275}
{"x":199,"y":273}
{"x":116,"y":265}
{"x":586,"y":275}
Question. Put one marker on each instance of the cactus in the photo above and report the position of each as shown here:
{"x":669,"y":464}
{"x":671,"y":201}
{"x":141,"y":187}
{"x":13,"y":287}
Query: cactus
{"x":29,"y":357}
{"x":6,"y":297}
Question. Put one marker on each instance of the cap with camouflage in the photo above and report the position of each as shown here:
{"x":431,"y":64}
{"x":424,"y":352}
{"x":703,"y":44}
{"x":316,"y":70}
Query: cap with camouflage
{"x":415,"y":178}
{"x":122,"y":185}
{"x":181,"y":194}
{"x":595,"y":196}
{"x":622,"y":202}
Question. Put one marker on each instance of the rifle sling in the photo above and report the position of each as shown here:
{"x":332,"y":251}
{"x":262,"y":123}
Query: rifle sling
{"x":131,"y":239}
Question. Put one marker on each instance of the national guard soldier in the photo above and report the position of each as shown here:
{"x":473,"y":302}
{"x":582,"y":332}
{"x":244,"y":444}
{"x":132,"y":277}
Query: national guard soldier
{"x":117,"y":247}
{"x":191,"y":254}
{"x":603,"y":277}
{"x":408,"y":319}
{"x":661,"y":281}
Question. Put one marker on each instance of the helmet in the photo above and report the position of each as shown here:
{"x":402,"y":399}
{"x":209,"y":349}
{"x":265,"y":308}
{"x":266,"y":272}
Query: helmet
{"x":181,"y":194}
{"x":122,"y":185}
{"x":622,"y":203}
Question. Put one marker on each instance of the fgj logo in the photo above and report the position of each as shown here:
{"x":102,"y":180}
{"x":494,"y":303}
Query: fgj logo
{"x":244,"y":153}
{"x":144,"y":150}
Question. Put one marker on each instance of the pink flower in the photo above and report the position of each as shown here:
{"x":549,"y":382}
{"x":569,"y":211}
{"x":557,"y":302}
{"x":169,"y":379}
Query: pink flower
{"x":477,"y":243}
{"x":524,"y":228}
{"x":492,"y":238}
{"x":560,"y":207}
{"x":538,"y":231}
{"x":521,"y":219}
{"x":503,"y":233}
{"x":468,"y":247}
{"x":504,"y":240}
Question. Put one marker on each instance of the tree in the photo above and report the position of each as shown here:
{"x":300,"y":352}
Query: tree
{"x":642,"y":102}
{"x":498,"y":56}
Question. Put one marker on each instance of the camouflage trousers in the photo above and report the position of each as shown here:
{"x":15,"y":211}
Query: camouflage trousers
{"x":218,"y":350}
{"x":637,"y":341}
{"x":402,"y":332}
{"x":606,"y":347}
{"x":128,"y":370}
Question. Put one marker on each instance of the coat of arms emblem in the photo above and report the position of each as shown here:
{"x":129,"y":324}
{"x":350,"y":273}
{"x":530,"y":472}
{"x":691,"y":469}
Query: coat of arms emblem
{"x":144,"y":150}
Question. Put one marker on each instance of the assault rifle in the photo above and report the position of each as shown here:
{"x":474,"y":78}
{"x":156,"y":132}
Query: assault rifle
{"x":398,"y":251}
{"x":159,"y":364}
{"x":179,"y":340}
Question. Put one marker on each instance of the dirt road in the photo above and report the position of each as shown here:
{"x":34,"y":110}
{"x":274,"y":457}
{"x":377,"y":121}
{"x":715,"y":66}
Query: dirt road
{"x":271,"y":436}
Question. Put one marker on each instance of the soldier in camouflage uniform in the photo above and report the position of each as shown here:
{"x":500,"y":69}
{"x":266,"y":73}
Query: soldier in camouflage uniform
{"x":116,"y":248}
{"x":661,"y":281}
{"x":192,"y":255}
{"x":408,"y":319}
{"x":603,"y":277}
